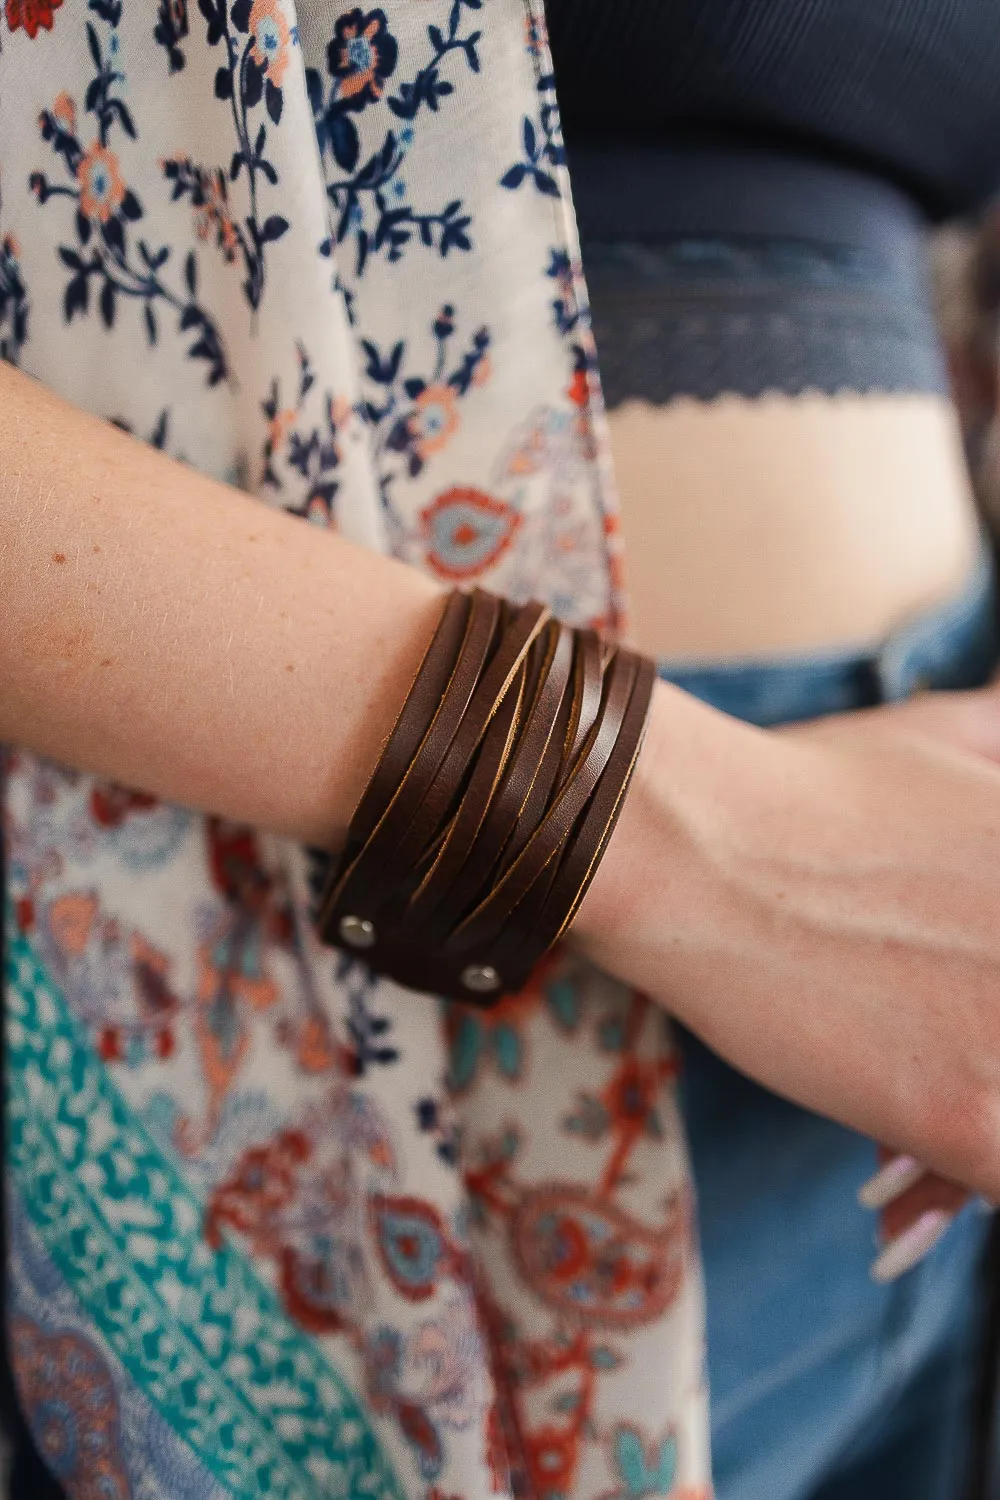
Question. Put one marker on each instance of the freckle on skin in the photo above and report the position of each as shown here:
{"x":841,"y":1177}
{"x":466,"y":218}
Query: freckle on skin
{"x":290,"y":667}
{"x":106,"y":662}
{"x":96,"y":548}
{"x":80,"y":639}
{"x":58,"y":557}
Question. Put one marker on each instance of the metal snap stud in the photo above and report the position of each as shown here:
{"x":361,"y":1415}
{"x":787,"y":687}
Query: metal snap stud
{"x":481,"y":979}
{"x":357,"y":932}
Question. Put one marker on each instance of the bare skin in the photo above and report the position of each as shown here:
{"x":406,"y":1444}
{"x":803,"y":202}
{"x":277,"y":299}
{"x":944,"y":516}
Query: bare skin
{"x":161,"y":628}
{"x":792,"y":524}
{"x":789,"y":523}
{"x":819,"y":905}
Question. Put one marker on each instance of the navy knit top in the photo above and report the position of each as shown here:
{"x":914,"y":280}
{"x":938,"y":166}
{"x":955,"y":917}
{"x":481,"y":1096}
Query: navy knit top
{"x":752,"y":177}
{"x":909,"y":88}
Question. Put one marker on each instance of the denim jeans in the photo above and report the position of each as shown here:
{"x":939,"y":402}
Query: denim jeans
{"x":826,"y":1386}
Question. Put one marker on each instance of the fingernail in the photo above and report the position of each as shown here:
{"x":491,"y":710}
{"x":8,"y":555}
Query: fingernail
{"x":894,"y":1178}
{"x":904,"y":1252}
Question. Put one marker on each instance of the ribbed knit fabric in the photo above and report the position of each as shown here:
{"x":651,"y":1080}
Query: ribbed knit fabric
{"x":906,"y":87}
{"x":752,"y":178}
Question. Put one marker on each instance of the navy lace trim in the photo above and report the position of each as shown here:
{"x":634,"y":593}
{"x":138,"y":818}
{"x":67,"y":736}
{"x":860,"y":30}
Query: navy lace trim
{"x":702,"y":315}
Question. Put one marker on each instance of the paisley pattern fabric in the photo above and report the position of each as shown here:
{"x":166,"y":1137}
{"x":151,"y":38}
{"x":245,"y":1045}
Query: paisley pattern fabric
{"x":280,"y":1229}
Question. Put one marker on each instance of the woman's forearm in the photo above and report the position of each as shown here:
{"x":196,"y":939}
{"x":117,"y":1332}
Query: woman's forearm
{"x":169,"y":632}
{"x":818,"y":906}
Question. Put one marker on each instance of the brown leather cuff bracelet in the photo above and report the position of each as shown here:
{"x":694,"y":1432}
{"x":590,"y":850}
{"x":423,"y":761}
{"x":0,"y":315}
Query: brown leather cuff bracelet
{"x":493,"y":802}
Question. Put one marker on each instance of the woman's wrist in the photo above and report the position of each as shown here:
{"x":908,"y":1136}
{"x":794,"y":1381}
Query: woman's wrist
{"x":651,"y":856}
{"x":677,"y":887}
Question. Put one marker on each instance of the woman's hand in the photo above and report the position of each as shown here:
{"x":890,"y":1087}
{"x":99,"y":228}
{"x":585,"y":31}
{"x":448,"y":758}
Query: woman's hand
{"x":822,"y":906}
{"x":915,"y":1208}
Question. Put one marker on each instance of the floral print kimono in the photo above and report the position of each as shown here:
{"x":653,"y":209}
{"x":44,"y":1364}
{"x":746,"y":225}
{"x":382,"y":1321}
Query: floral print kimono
{"x":280,"y":1230}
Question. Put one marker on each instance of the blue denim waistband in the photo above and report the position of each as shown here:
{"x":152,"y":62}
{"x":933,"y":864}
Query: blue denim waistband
{"x":953,"y":645}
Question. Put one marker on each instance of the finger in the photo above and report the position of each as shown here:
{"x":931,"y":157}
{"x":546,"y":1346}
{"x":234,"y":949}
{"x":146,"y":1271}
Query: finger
{"x":917,"y":1209}
{"x":929,"y":1195}
{"x":908,"y":1249}
{"x":896,"y":1174}
{"x":968,"y":721}
{"x":965,"y":720}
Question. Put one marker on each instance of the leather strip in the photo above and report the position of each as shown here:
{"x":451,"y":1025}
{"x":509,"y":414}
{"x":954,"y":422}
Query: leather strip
{"x":485,"y":923}
{"x":447,"y":870}
{"x":429,"y":685}
{"x":362,"y":883}
{"x":522,"y":791}
{"x":588,"y":841}
{"x":485,"y":701}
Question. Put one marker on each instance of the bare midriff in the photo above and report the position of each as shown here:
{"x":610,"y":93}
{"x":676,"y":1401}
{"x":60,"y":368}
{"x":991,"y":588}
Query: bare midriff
{"x":789,"y":524}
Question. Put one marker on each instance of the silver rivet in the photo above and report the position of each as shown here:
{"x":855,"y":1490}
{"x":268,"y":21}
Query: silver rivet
{"x":357,"y":932}
{"x":481,"y":979}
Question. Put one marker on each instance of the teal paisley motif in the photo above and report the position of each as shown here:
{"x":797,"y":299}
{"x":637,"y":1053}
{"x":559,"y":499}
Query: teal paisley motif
{"x":195,"y":1328}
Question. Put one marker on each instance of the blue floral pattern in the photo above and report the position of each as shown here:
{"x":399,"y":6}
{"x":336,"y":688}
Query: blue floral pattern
{"x":542,"y":149}
{"x":312,"y":453}
{"x":273,"y":1225}
{"x":256,"y":41}
{"x":370,"y":201}
{"x":13,"y":302}
{"x":170,"y":31}
{"x":108,"y":212}
{"x":415,"y":416}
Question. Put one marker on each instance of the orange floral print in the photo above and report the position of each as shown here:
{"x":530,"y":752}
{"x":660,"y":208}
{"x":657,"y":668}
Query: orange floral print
{"x":71,"y":919}
{"x":102,"y":188}
{"x":436,"y":419}
{"x":31,"y":15}
{"x":362,"y":56}
{"x":64,"y":110}
{"x":271,"y":39}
